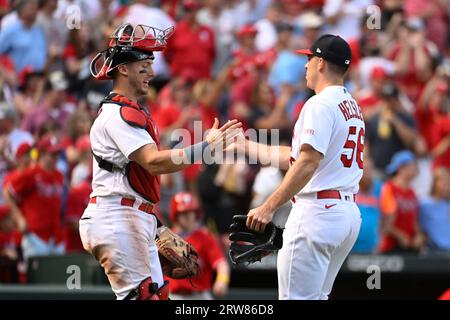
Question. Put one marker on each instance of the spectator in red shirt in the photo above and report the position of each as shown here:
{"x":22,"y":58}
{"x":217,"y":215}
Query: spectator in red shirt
{"x":185,"y":214}
{"x":22,"y":162}
{"x":184,"y":101}
{"x":243,"y":73}
{"x":400,"y":206}
{"x":412,"y":57}
{"x":370,"y":100}
{"x":431,"y":110}
{"x":35,"y":195}
{"x":188,"y":106}
{"x":191,"y":50}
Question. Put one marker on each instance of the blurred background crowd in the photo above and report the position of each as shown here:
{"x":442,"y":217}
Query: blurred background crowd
{"x":230,"y":59}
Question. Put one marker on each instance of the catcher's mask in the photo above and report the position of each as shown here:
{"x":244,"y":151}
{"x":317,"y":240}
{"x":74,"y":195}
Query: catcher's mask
{"x":129,"y":44}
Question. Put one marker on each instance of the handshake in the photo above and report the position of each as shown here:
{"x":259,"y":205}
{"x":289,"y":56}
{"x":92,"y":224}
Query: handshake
{"x":217,"y":141}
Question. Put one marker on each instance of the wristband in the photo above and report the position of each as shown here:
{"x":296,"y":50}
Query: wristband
{"x":194,"y":152}
{"x":224,"y":278}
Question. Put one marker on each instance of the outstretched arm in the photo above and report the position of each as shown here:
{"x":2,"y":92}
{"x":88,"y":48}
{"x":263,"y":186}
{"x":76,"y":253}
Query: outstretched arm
{"x":295,"y":180}
{"x":168,"y":161}
{"x":275,"y":156}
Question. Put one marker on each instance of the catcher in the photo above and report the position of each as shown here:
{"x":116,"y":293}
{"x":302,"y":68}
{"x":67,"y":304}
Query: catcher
{"x":118,"y":227}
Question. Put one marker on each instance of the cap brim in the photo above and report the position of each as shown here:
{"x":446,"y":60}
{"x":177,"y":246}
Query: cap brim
{"x":304,"y":51}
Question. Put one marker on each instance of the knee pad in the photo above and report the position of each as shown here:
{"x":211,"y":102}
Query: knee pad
{"x":149,"y":290}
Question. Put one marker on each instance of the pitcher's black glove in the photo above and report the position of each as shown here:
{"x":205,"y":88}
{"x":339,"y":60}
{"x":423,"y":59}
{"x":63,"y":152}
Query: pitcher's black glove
{"x":251,"y":246}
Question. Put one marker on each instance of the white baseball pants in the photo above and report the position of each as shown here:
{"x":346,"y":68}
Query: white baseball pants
{"x":122,"y":240}
{"x":318,"y":237}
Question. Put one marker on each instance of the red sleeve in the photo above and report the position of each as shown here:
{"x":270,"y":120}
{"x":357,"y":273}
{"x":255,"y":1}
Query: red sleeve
{"x":22,"y":184}
{"x":214,"y":252}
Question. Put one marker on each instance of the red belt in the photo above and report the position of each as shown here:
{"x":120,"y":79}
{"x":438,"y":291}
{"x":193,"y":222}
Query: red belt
{"x":331,"y":194}
{"x":146,"y":207}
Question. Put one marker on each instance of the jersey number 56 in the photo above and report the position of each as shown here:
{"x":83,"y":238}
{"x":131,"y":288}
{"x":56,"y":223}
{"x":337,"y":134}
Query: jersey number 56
{"x":358,"y":146}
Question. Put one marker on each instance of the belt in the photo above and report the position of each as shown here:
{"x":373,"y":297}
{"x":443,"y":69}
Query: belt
{"x":333,"y":194}
{"x":127,"y":202}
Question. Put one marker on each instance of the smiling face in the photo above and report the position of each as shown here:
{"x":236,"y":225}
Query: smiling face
{"x":139,"y":74}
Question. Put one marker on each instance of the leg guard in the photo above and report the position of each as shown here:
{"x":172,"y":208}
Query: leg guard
{"x":148,"y":290}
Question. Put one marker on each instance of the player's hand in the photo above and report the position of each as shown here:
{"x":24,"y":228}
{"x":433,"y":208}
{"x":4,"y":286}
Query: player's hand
{"x":418,"y":241}
{"x":222,"y":137}
{"x":403,"y":241}
{"x":238,"y":143}
{"x":258,"y":218}
{"x":220,"y":288}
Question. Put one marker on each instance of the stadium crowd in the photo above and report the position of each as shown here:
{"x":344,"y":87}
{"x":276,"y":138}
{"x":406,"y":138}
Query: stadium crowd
{"x":230,"y":59}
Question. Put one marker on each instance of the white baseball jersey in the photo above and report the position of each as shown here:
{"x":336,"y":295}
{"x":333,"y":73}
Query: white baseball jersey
{"x":114,"y":140}
{"x":332,"y":123}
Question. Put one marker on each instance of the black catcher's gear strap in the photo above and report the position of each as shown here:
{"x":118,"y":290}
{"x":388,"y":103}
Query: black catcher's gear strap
{"x":106,"y":165}
{"x":250,"y":246}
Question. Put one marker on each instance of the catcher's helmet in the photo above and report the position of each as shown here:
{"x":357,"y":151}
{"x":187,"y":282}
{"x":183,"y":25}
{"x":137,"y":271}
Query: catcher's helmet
{"x":129,"y":44}
{"x":183,"y":202}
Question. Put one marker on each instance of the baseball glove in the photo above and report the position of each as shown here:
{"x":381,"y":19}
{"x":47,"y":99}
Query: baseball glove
{"x":250,"y":246}
{"x":178,"y":258}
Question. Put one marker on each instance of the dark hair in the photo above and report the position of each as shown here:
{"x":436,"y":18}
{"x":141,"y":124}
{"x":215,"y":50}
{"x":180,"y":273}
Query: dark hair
{"x":114,"y":74}
{"x":336,"y":69}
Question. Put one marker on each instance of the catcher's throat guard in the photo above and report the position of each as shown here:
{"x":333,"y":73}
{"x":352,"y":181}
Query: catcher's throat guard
{"x":250,"y":246}
{"x":129,"y":44}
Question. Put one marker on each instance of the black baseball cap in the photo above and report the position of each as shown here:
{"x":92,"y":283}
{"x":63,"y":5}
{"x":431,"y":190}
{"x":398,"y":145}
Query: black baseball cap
{"x":331,"y":48}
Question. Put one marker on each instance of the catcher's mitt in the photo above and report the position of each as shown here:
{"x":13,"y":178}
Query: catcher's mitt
{"x":250,"y":246}
{"x":178,"y":258}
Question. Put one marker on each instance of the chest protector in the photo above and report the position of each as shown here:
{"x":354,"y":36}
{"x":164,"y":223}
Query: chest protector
{"x":142,"y":182}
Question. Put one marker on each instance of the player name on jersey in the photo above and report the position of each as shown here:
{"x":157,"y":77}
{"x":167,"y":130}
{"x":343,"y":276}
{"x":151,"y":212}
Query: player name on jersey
{"x":350,"y":110}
